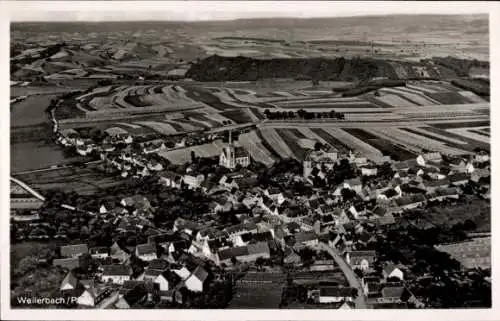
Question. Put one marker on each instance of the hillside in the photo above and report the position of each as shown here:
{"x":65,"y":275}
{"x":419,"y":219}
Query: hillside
{"x":217,"y":68}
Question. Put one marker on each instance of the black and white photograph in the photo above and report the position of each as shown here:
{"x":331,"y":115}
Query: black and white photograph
{"x":248,"y":155}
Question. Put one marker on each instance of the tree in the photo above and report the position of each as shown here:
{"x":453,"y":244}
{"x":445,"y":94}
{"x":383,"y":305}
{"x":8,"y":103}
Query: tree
{"x":259,"y":262}
{"x":193,"y":157}
{"x":318,"y":146}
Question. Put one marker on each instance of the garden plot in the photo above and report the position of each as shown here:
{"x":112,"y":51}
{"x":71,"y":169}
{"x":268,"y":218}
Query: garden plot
{"x":187,"y":125}
{"x":309,"y":134}
{"x":357,"y":144}
{"x":206,"y":120}
{"x":160,"y":127}
{"x":276,"y":142}
{"x":321,"y":100}
{"x":98,"y":103}
{"x":99,"y":90}
{"x":394,"y":100}
{"x":183,"y":155}
{"x":218,"y":118}
{"x":416,"y":98}
{"x":252,"y":143}
{"x":421,"y":88}
{"x":415,"y":142}
{"x":465,"y":131}
{"x":130,"y":125}
{"x":425,"y":133}
{"x":471,"y":96}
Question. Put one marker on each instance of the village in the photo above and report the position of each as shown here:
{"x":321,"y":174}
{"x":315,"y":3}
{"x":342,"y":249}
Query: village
{"x":312,"y":235}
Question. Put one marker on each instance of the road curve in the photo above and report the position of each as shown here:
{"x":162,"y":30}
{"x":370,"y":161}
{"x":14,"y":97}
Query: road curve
{"x":29,"y":189}
{"x":349,"y":273}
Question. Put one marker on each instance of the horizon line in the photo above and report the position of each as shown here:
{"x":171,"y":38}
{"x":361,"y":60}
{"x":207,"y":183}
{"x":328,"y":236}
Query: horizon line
{"x":252,"y":18}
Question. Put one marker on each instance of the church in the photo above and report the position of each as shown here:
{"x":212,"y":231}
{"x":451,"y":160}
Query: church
{"x":232,"y":156}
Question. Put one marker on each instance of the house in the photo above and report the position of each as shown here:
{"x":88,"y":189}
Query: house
{"x":133,"y":297}
{"x":391,"y":270}
{"x":116,"y":273}
{"x":248,"y":253}
{"x":68,"y":263}
{"x":91,"y":296}
{"x":146,"y":252}
{"x":69,"y":283}
{"x":196,"y":281}
{"x":392,"y":294}
{"x":459,"y":179}
{"x":136,"y":202}
{"x":290,"y":257}
{"x":411,"y":201}
{"x":240,"y":229}
{"x":323,"y":265}
{"x":193,"y":181}
{"x":429,"y":157}
{"x":371,"y":285}
{"x":74,"y":250}
{"x":99,"y":252}
{"x":117,"y":253}
{"x":330,"y":294}
{"x":362,"y":260}
{"x":369,"y":171}
{"x":316,"y":159}
{"x":154,"y":165}
{"x":405,"y":166}
{"x":247,"y":238}
{"x":232,"y":156}
{"x":275,"y":194}
{"x":354,"y":184}
{"x":306,"y":239}
{"x":165,"y":280}
{"x":445,"y":193}
{"x":481,"y":157}
{"x":432,"y":186}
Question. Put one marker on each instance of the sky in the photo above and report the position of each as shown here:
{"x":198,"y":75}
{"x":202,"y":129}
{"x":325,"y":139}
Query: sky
{"x":225,"y":10}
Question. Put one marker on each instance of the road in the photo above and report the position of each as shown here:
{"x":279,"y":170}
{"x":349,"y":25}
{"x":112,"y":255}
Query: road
{"x":353,"y":280}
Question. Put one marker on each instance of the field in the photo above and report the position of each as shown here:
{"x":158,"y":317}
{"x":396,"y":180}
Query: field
{"x":84,"y":181}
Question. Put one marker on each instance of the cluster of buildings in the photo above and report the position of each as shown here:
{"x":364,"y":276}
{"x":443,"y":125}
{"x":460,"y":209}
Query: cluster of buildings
{"x":273,"y":223}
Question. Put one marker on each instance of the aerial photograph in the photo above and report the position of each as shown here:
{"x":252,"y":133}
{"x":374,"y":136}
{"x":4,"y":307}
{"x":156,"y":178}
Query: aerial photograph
{"x":259,"y":161}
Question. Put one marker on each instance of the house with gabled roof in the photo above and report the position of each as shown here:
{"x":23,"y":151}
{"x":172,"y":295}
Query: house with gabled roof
{"x":69,"y":283}
{"x":391,"y":270}
{"x":170,"y":179}
{"x":428,"y":157}
{"x":393,"y":294}
{"x":362,"y":260}
{"x":196,"y":281}
{"x":248,"y":253}
{"x":133,"y":297}
{"x":116,"y":273}
{"x":290,"y":257}
{"x":68,"y":263}
{"x":116,"y":252}
{"x":74,"y":250}
{"x":92,"y":296}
